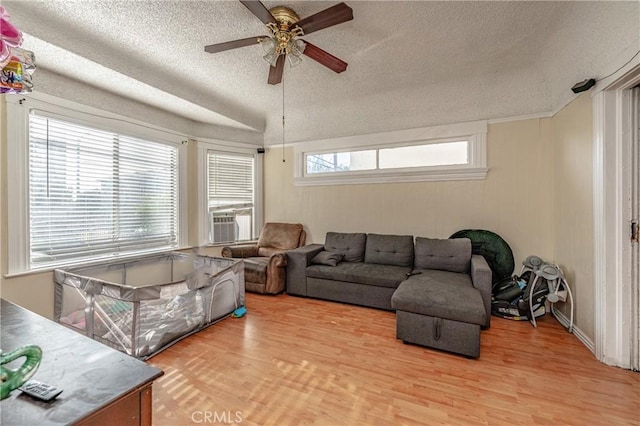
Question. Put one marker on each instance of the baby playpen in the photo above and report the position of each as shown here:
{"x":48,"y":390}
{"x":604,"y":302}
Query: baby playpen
{"x":144,"y":305}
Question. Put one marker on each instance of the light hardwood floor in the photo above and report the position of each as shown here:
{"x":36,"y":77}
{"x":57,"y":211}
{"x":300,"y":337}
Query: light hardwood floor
{"x":297,"y":361}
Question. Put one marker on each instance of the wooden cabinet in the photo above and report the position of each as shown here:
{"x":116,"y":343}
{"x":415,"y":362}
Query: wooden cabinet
{"x":101,"y":386}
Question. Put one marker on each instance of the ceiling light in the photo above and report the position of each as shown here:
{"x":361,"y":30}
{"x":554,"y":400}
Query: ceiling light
{"x":268,"y":44}
{"x":283,"y":39}
{"x":294,"y":61}
{"x":271,"y":57}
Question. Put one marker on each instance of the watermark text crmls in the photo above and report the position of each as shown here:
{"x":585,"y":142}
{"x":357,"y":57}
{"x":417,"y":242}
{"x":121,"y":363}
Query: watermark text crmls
{"x":216,"y":417}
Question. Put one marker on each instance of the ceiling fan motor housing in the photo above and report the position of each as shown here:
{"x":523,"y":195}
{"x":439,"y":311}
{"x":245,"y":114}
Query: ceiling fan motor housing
{"x":285,"y":16}
{"x":282,"y":31}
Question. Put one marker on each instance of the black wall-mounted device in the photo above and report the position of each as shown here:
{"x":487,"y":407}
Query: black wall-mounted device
{"x":583,"y":85}
{"x":260,"y":150}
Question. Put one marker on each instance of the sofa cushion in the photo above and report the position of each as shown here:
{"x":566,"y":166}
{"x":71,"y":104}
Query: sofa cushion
{"x":361,"y":273}
{"x":327,"y":258}
{"x":440,"y":294}
{"x":447,"y":255}
{"x":350,"y":245}
{"x":283,"y":236}
{"x":389,"y":250}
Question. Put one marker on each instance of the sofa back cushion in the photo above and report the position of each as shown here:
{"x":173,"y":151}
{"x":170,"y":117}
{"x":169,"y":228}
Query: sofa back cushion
{"x":350,"y":245}
{"x":446,"y":255}
{"x":282,"y":236}
{"x":389,"y":250}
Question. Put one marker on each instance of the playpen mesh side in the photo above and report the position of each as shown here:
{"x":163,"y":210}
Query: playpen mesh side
{"x":142,"y":320}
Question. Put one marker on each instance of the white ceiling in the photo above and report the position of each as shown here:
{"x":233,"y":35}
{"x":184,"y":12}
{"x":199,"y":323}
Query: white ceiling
{"x":411,"y":64}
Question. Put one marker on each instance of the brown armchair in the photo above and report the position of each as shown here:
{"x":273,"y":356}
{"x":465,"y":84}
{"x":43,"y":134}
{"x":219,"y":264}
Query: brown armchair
{"x":265,"y":263}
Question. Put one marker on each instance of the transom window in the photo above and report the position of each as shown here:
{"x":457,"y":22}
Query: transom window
{"x":426,"y":155}
{"x":450,"y":152}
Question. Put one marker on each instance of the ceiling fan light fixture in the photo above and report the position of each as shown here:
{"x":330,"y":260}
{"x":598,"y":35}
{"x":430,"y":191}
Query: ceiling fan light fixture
{"x":296,"y":47}
{"x":294,"y":60}
{"x":271,"y":57}
{"x":268,"y":44}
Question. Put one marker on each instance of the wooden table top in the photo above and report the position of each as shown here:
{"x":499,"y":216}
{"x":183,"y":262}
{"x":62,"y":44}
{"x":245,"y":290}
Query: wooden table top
{"x":91,"y":374}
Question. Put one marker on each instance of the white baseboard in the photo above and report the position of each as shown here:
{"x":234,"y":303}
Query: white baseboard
{"x":562,"y":319}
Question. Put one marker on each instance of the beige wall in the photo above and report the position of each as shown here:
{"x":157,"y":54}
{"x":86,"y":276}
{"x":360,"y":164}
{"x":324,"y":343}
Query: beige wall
{"x":512,"y":201}
{"x":573,"y":205}
{"x":538,"y":196}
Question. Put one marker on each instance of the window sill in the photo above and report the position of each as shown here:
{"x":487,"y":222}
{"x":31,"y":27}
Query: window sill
{"x":88,"y":263}
{"x":467,"y":173}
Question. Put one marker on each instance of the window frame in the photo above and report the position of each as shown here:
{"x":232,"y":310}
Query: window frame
{"x":18,"y":110}
{"x":226,"y":147}
{"x":474,"y":133}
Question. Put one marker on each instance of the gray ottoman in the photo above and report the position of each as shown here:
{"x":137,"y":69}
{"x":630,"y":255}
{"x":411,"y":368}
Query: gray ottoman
{"x":441,"y":310}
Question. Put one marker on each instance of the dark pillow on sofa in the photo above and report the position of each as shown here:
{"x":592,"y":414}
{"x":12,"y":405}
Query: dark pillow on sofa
{"x":446,"y":255}
{"x":350,"y":245}
{"x":327,"y":258}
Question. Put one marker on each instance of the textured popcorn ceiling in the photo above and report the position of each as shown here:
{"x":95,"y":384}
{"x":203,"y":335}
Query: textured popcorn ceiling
{"x":411,"y":64}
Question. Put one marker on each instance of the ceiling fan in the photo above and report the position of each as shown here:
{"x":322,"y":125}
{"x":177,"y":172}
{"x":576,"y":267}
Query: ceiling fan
{"x":285,"y":28}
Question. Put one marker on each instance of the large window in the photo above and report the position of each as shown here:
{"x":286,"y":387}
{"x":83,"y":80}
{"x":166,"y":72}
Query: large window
{"x":87,"y":185}
{"x":96,"y":194}
{"x":231,"y":197}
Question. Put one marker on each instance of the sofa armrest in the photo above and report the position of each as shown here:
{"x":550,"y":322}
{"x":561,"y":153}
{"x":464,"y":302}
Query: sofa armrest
{"x":297,"y":262}
{"x":481,"y":279}
{"x":240,"y":251}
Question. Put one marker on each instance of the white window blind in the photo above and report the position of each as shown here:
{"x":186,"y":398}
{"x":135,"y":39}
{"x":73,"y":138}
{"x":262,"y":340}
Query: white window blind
{"x":96,"y":194}
{"x":231,"y":196}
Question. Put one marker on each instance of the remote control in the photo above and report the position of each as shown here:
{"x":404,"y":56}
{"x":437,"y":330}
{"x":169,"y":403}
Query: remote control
{"x":40,"y":390}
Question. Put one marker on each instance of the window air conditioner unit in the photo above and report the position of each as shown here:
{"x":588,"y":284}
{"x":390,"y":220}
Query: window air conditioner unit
{"x":224,"y":228}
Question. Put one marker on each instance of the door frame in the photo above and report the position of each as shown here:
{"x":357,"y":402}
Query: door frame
{"x":635,"y":216}
{"x":616,"y":328}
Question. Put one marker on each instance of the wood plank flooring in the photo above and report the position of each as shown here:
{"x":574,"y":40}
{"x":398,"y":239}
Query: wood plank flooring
{"x":297,"y":361}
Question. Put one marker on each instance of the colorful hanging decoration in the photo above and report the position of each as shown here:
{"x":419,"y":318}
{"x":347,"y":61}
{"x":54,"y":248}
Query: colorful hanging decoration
{"x":17,"y":64}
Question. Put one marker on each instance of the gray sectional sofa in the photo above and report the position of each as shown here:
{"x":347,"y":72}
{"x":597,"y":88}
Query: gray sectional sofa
{"x":440,"y":291}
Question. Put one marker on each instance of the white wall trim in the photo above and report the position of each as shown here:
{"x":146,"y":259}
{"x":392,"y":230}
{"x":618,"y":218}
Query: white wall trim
{"x":612,"y":142}
{"x":599,"y":222}
{"x":564,"y":321}
{"x":17,"y":191}
{"x":183,"y":198}
{"x":95,"y":117}
{"x":396,"y":136}
{"x":231,"y":146}
{"x":537,"y":115}
{"x":469,"y":173}
{"x":205,"y":145}
{"x":203,"y":219}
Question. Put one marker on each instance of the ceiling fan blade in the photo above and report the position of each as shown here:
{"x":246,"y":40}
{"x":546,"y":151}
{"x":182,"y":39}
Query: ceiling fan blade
{"x":327,"y":18}
{"x":326,"y":59}
{"x":260,"y":10}
{"x":228,"y":45}
{"x":275,"y":73}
